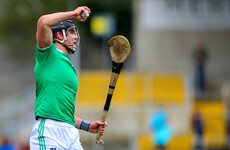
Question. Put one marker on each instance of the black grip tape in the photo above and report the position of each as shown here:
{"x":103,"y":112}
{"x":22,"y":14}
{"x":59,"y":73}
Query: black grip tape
{"x":117,"y":67}
{"x":112,"y":87}
{"x":107,"y":103}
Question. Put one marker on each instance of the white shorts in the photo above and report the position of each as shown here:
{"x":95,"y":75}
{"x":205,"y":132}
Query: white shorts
{"x":48,"y":134}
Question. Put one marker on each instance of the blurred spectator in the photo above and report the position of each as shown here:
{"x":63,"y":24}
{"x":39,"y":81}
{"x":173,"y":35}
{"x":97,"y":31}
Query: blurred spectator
{"x":6,"y":145}
{"x":200,"y":57}
{"x":161,"y":130}
{"x":25,"y":146}
{"x":198,"y":128}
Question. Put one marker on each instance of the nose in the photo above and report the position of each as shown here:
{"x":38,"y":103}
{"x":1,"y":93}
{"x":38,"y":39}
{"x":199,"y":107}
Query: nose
{"x":74,"y":38}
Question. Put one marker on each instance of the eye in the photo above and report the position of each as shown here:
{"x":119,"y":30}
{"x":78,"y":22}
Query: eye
{"x":71,"y":32}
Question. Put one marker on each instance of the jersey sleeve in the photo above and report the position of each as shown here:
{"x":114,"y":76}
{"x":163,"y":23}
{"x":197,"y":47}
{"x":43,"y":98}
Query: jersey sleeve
{"x":43,"y":54}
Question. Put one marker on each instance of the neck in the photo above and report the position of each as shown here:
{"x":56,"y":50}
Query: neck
{"x":60,"y":47}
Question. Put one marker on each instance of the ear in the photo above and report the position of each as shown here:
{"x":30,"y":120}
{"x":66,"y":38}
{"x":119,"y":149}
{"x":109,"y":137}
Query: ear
{"x":59,"y":36}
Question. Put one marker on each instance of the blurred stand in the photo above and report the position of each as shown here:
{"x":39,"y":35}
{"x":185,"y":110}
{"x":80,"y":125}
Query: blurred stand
{"x":17,"y":117}
{"x":225,"y":94}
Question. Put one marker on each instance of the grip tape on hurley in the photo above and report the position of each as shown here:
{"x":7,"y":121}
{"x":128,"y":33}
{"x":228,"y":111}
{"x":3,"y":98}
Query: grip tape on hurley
{"x":117,"y":67}
{"x":107,"y":103}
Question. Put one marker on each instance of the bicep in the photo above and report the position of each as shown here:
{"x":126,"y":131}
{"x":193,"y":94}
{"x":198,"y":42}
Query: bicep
{"x":44,"y":34}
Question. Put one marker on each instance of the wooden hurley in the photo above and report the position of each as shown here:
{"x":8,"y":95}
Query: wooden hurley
{"x":119,"y":48}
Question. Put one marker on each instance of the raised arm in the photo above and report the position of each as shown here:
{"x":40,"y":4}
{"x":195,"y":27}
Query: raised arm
{"x":44,"y":34}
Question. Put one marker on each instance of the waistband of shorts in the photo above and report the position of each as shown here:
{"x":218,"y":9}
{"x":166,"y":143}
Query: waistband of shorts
{"x":55,"y":123}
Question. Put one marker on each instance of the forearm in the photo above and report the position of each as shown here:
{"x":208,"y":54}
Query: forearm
{"x":78,"y":122}
{"x":52,"y":19}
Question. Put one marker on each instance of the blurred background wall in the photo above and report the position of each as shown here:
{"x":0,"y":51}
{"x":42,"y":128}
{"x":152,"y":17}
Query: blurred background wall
{"x":160,"y":73}
{"x":167,"y":41}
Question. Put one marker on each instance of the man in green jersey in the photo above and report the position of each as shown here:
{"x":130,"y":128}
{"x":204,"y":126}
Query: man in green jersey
{"x":57,"y":83}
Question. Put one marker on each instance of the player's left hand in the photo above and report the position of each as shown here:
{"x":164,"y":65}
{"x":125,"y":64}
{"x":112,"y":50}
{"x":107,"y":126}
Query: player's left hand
{"x":94,"y":126}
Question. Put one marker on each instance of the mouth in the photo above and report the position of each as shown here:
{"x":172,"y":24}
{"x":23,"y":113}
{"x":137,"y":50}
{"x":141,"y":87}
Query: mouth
{"x":74,"y":46}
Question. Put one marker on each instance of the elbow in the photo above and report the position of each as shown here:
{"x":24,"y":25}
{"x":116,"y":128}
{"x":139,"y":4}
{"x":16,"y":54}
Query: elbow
{"x":42,"y":20}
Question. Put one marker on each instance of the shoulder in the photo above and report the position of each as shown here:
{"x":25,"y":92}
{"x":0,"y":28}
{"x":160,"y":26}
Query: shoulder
{"x":52,"y":46}
{"x":44,"y":53}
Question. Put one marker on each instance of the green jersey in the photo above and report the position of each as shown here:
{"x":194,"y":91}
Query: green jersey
{"x":56,"y":85}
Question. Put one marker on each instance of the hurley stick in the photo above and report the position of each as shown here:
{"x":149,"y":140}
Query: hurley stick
{"x":119,"y":48}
